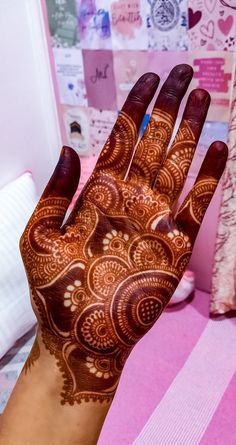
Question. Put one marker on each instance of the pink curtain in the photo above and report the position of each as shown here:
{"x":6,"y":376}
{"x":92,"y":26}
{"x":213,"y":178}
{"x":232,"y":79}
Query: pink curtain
{"x":223,"y":297}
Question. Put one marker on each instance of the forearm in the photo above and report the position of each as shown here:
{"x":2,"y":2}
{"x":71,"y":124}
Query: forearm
{"x":35,"y":416}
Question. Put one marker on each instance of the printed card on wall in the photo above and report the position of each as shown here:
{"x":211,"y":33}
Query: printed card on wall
{"x":213,"y":72}
{"x":130,"y":65}
{"x":76,"y":120}
{"x":101,"y":124}
{"x":167,"y":23}
{"x":70,"y":76}
{"x":212,"y":25}
{"x":162,"y":63}
{"x":128,"y":24}
{"x":94,"y":24}
{"x":63,"y":24}
{"x":99,"y":79}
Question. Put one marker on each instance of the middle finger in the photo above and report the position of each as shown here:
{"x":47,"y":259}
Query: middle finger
{"x":151,"y":149}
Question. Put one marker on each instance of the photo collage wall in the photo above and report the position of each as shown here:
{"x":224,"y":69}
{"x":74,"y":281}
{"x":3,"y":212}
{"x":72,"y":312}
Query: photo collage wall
{"x":101,"y":48}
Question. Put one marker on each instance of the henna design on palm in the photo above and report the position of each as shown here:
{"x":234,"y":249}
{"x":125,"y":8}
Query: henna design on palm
{"x":100,"y":281}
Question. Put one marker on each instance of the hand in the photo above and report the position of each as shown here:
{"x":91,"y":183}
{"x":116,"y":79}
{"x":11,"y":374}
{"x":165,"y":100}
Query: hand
{"x":100,"y":281}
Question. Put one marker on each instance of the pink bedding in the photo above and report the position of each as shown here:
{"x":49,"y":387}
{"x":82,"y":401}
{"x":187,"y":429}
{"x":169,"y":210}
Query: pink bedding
{"x":178,"y":386}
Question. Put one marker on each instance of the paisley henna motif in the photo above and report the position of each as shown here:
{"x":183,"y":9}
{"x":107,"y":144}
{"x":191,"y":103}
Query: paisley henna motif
{"x":100,"y":282}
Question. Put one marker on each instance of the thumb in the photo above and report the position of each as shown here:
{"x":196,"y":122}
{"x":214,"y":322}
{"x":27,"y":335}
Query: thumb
{"x":54,"y":202}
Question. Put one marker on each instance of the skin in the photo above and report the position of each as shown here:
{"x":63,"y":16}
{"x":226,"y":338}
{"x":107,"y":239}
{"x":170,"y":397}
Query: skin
{"x":100,"y":280}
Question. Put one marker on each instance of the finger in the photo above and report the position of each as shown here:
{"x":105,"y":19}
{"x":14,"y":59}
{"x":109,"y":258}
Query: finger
{"x":118,"y":150}
{"x":193,"y":209}
{"x":58,"y":193}
{"x":151,"y":149}
{"x":171,"y":177}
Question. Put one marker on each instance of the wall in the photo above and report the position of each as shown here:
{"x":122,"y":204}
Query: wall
{"x":29,"y":131}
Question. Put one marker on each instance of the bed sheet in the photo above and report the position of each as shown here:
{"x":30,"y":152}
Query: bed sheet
{"x":11,"y":365}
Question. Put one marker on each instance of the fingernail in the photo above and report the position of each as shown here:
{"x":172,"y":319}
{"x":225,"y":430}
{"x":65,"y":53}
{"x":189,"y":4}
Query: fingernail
{"x":200,"y":97}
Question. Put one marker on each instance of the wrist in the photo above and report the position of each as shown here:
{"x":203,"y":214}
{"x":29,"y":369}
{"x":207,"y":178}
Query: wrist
{"x":81,"y":376}
{"x":37,"y":398}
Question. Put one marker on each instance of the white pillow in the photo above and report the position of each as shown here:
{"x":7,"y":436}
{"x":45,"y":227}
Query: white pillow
{"x":17,"y":202}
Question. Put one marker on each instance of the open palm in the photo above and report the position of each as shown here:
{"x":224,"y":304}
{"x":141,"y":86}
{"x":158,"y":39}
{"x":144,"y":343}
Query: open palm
{"x":100,"y":281}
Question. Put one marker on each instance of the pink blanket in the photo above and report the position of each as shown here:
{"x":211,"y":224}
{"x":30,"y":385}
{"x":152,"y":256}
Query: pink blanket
{"x":178,"y":386}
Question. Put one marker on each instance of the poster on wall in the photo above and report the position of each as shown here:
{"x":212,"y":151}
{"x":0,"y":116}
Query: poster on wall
{"x":99,"y":79}
{"x":130,"y":65}
{"x":77,"y":125}
{"x":128,"y":24}
{"x":101,"y":124}
{"x":167,"y":25}
{"x":62,"y":19}
{"x":70,"y":76}
{"x":212,"y":25}
{"x":94,"y":24}
{"x":213,"y":72}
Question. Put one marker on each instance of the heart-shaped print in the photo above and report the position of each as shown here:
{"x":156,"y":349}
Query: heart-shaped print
{"x":203,"y":42}
{"x":225,"y":25}
{"x":193,"y":17}
{"x":210,"y":5}
{"x":208,"y":30}
{"x":222,"y":12}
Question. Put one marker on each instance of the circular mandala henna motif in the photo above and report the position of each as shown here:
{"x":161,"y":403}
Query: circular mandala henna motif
{"x":138,"y":302}
{"x":93,"y":332}
{"x":200,"y":198}
{"x":158,"y":133}
{"x":75,"y":296}
{"x":141,"y":207}
{"x":179,"y":240}
{"x":148,"y":310}
{"x":100,"y":367}
{"x":104,"y":275}
{"x":40,"y":237}
{"x":116,"y":158}
{"x":115,"y":241}
{"x":103,"y":193}
{"x":150,"y":250}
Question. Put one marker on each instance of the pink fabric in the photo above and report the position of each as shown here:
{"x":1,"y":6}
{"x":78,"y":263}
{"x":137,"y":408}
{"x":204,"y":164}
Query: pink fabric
{"x":153,"y":370}
{"x":152,"y":367}
{"x":224,"y":272}
{"x":222,"y":428}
